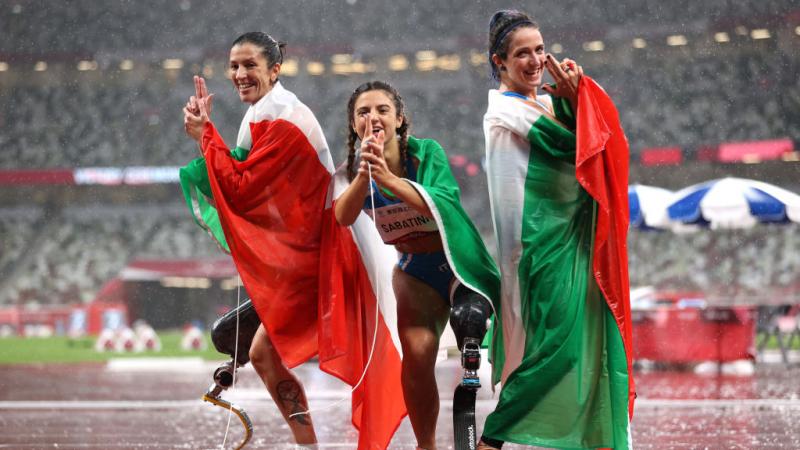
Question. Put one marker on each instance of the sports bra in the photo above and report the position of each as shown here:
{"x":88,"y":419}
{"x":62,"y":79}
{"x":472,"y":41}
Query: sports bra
{"x":395,"y":220}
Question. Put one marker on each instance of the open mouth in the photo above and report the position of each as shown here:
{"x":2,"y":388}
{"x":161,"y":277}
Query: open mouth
{"x":245,"y":86}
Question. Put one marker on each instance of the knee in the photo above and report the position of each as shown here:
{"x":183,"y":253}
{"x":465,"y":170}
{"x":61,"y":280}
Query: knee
{"x":222,"y":335}
{"x":470,"y":315}
{"x":257,"y":359}
{"x":218,"y":337}
{"x":264,"y":360}
{"x":224,"y":331}
{"x":419,"y":354}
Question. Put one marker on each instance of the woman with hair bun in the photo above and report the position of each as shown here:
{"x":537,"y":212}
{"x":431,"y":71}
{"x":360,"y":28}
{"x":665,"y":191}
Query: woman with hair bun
{"x":557,"y":175}
{"x":406,"y":186}
{"x":267,"y":203}
{"x":254,"y":67}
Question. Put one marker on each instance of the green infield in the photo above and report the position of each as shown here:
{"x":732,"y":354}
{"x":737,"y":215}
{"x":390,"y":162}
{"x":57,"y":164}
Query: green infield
{"x":59,"y":349}
{"x":17,"y":350}
{"x":791,"y":343}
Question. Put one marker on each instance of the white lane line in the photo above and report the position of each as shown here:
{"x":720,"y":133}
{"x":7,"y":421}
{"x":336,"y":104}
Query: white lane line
{"x":145,"y":364}
{"x":160,"y":445}
{"x":719,"y":403}
{"x":327,"y":396}
{"x":99,"y":404}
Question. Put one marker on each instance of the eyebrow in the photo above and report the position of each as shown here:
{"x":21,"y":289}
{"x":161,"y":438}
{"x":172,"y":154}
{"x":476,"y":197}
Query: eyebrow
{"x":233,"y":61}
{"x":382,"y":105}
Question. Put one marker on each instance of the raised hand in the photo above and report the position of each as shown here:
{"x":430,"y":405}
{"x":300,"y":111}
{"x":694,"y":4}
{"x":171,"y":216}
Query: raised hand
{"x":201,"y":93}
{"x":372,"y":154}
{"x":195,"y":116}
{"x":197,"y":110}
{"x":567,"y":74}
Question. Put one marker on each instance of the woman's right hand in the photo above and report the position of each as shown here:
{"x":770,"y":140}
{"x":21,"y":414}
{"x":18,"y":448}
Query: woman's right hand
{"x":348,"y":206}
{"x":197,"y":110}
{"x":372,"y":155}
{"x":195,"y":116}
{"x":201,"y":93}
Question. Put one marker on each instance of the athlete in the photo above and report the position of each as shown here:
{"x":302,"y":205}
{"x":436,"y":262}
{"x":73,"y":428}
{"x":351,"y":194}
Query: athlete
{"x":254,"y":68}
{"x":444,"y":269}
{"x":557,"y":176}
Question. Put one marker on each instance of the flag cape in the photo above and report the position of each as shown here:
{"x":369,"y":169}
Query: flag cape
{"x":561,"y":341}
{"x":463,"y":246}
{"x":307,"y":276}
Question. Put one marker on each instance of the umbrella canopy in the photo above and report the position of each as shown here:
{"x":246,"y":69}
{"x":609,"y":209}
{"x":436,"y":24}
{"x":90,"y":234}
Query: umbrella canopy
{"x":648,"y":207}
{"x":734,"y":203}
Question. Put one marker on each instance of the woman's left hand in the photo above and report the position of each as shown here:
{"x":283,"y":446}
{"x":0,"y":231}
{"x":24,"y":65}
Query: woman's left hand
{"x":567,"y":75}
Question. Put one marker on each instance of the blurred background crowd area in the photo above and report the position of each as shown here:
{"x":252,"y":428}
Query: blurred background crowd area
{"x":89,"y":86}
{"x":67,"y":257}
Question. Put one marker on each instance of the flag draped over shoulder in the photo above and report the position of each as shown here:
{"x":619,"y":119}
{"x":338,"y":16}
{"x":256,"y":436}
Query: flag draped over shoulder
{"x":269,"y":203}
{"x":471,"y":263}
{"x":602,"y":169}
{"x":561,"y":344}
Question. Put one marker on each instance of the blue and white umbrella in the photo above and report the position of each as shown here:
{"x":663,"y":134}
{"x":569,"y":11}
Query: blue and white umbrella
{"x":734,"y":203}
{"x":647,"y":206}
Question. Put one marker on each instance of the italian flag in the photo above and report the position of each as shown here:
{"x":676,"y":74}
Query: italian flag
{"x":562,"y":336}
{"x":466,"y":253}
{"x":319,"y":288}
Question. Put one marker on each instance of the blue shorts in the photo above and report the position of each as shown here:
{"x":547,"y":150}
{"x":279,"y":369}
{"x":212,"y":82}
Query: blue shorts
{"x":430,"y":268}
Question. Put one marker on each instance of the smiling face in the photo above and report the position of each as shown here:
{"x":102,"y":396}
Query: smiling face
{"x":524,"y":63}
{"x":379,"y":105}
{"x":250,"y":72}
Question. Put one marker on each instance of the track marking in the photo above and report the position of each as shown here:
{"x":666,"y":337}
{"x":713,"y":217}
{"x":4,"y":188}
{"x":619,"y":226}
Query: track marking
{"x":329,"y":396}
{"x":345,"y":445}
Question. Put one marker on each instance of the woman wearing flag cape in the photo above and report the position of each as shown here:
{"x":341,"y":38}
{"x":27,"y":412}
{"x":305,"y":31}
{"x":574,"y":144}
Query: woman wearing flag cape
{"x":268,"y":202}
{"x":557,"y":175}
{"x":405,"y":185}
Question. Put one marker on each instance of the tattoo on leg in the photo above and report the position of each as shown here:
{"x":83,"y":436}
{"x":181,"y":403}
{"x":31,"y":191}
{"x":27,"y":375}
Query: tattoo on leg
{"x":289,"y":393}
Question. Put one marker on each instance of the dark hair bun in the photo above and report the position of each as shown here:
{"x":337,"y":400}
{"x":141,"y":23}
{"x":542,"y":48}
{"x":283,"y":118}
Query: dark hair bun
{"x":501,"y":26}
{"x":272,"y":49}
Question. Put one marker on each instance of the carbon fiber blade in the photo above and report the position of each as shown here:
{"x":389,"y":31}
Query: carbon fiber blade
{"x":464,"y":430}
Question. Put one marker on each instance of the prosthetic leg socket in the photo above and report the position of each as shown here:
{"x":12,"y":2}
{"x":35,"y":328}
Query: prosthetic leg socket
{"x":223,"y":336}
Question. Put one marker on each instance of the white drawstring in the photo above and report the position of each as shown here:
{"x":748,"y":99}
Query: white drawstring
{"x":377,"y":309}
{"x":235,"y":357}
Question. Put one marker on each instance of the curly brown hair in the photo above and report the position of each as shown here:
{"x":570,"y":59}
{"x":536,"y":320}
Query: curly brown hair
{"x":402,"y":130}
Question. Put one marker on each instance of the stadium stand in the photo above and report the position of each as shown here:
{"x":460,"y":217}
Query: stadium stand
{"x":123,"y":109}
{"x":755,"y":266}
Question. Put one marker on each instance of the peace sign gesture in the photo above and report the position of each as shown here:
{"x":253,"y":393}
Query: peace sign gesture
{"x":567,"y":74}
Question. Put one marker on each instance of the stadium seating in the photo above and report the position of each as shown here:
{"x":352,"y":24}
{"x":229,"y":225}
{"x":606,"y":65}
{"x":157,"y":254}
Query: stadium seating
{"x":756,"y":266}
{"x":691,"y":97}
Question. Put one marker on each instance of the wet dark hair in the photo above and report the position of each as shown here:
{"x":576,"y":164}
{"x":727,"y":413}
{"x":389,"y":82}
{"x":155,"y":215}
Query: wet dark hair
{"x":501,"y":27}
{"x":402,"y":130}
{"x":272,"y":49}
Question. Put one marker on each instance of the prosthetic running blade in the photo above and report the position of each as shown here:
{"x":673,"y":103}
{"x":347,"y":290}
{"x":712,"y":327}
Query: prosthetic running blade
{"x":212,"y":396}
{"x":464,"y":418}
{"x":243,"y":319}
{"x":464,"y":429}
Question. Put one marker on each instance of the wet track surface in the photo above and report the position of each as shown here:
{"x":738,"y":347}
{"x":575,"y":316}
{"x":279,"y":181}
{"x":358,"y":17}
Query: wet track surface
{"x":157,"y":405}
